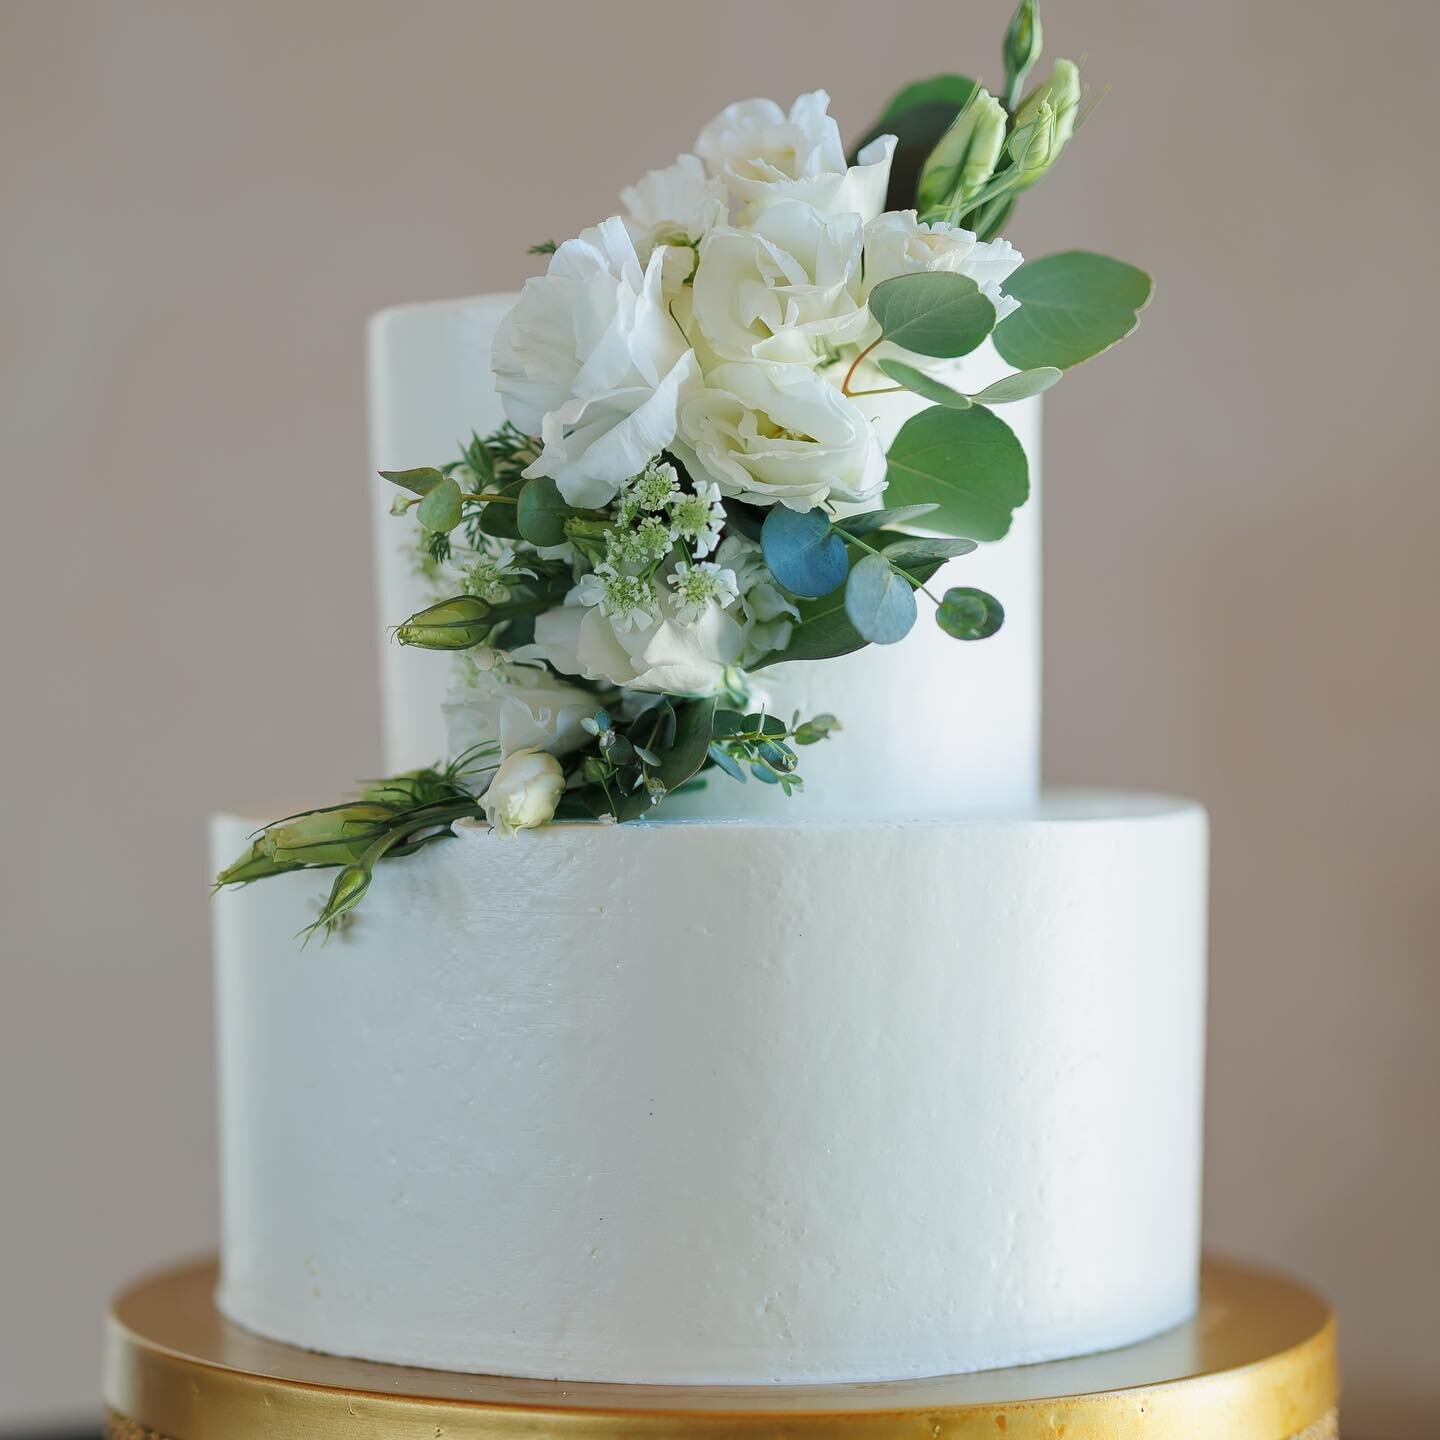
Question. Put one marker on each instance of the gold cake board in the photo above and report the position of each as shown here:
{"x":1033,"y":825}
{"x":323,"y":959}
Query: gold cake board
{"x":1258,"y":1362}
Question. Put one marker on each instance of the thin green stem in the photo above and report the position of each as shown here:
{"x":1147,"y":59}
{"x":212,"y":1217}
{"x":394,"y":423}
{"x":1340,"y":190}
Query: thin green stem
{"x":856,"y":540}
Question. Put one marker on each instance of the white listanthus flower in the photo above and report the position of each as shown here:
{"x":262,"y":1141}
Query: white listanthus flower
{"x":673,"y":206}
{"x":698,"y":587}
{"x":524,"y":793}
{"x":762,"y":154}
{"x":590,"y":359}
{"x":509,"y":707}
{"x":698,"y":519}
{"x":898,"y":243}
{"x":779,"y":433}
{"x":767,"y":614}
{"x":669,"y":658}
{"x":785,"y":289}
{"x":627,"y":601}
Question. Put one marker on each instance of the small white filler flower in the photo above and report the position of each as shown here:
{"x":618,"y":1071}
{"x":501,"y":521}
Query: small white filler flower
{"x":697,"y":587}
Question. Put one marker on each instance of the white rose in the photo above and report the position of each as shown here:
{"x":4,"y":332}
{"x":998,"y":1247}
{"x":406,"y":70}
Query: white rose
{"x":517,"y":707}
{"x":897,"y":243}
{"x":763,"y":155}
{"x":768,"y":433}
{"x":785,"y":289}
{"x":525,"y":791}
{"x":590,"y":360}
{"x":669,"y":656}
{"x":680,"y":202}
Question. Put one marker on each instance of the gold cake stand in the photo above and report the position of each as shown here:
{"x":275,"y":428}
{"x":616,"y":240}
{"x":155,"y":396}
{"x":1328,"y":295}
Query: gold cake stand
{"x":1257,"y":1363}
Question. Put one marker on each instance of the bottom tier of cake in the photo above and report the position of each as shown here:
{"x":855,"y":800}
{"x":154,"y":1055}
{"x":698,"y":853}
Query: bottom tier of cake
{"x":724,"y":1102}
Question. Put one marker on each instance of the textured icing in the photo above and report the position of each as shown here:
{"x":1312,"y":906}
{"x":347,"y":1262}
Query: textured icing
{"x":724,"y":1102}
{"x":932,"y":726}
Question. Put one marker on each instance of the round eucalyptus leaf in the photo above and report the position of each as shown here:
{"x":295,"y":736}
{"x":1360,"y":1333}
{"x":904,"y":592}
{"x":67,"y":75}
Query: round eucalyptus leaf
{"x":923,"y":385}
{"x":967,"y":461}
{"x":804,"y":554}
{"x":969,"y":614}
{"x":933,"y":312}
{"x":1072,"y":306}
{"x":541,"y":512}
{"x":879,"y":602}
{"x":439,"y":511}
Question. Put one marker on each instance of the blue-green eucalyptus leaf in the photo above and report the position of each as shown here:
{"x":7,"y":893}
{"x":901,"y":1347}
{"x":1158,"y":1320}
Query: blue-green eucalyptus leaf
{"x":879,"y":603}
{"x":1019,"y":386}
{"x":541,"y":513}
{"x":969,"y":614}
{"x":419,"y":481}
{"x":802,"y":551}
{"x":869,"y":520}
{"x":923,"y":385}
{"x":439,"y":512}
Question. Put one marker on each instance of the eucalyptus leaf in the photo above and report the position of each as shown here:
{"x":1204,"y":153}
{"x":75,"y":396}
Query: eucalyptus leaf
{"x":968,"y":461}
{"x":802,"y":551}
{"x":969,"y":614}
{"x":440,"y":511}
{"x":869,"y":520}
{"x":916,"y":550}
{"x":933,"y":312}
{"x":541,"y":512}
{"x":1020,"y":386}
{"x":880,"y":604}
{"x":727,"y":763}
{"x":1073,"y":306}
{"x":923,"y":385}
{"x":420,"y":481}
{"x":501,"y":521}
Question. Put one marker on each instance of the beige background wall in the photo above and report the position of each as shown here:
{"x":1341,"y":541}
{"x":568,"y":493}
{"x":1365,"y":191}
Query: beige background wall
{"x":200,"y":204}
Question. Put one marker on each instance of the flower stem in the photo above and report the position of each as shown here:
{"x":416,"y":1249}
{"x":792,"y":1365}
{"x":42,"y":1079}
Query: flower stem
{"x":856,"y":540}
{"x":854,"y":365}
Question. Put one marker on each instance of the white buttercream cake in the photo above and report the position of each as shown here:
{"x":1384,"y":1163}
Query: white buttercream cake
{"x":897,"y":1077}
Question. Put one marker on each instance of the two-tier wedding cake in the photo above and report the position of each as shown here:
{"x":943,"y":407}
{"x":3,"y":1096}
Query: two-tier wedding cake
{"x":731,"y":1006}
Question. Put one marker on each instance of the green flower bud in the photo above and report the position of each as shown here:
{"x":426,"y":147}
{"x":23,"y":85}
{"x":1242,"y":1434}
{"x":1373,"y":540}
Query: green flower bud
{"x":257,"y":863}
{"x":1022,"y":48}
{"x":966,"y":156}
{"x":458,"y":624}
{"x":339,"y":836}
{"x":1044,"y":124}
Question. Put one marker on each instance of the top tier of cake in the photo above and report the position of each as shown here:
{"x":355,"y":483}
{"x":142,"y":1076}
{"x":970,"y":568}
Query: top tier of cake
{"x":932,"y":727}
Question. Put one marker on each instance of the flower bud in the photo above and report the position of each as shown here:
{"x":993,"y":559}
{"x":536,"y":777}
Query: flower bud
{"x":1044,"y":124}
{"x":966,"y":155}
{"x":338,"y":836}
{"x":456,"y":624}
{"x":1022,"y":48}
{"x":525,"y":791}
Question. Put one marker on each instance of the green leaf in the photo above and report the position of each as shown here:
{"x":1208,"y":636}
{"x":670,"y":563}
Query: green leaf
{"x":1072,"y":306}
{"x":440,"y":511}
{"x":802,"y":551}
{"x":501,"y":521}
{"x":879,"y":603}
{"x":869,"y":520}
{"x":682,"y":760}
{"x":816,"y":729}
{"x":480,"y":460}
{"x":456,"y":624}
{"x":727,"y":763}
{"x":969,"y":614}
{"x":933,"y":312}
{"x":969,"y":461}
{"x":542,"y":512}
{"x":1020,"y":386}
{"x":912,"y":552}
{"x":420,"y":481}
{"x":923,"y":385}
{"x":918,"y":116}
{"x":951,"y":90}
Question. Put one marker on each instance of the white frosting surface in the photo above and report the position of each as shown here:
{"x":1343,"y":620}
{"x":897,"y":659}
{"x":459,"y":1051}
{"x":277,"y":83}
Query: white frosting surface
{"x":932,"y":726}
{"x":724,"y":1102}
